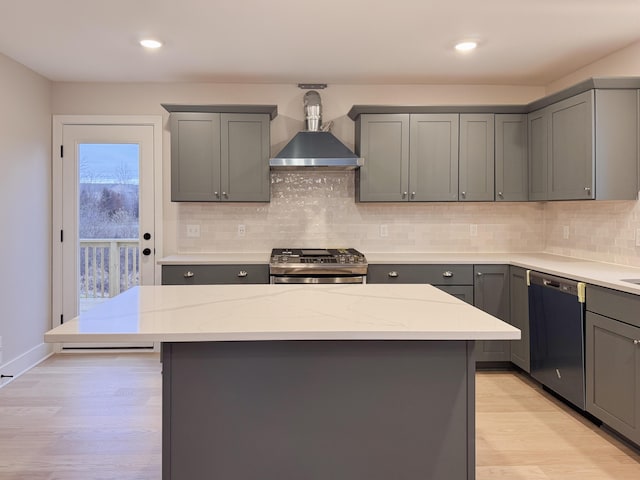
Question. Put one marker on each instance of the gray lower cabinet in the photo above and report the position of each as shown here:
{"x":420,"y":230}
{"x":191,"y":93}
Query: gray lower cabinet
{"x":477,"y":159}
{"x":585,"y":147}
{"x":491,"y":294}
{"x":612,"y":353}
{"x":220,"y":157}
{"x":519,"y":317}
{"x":215,"y":274}
{"x":435,"y":274}
{"x":512,"y":173}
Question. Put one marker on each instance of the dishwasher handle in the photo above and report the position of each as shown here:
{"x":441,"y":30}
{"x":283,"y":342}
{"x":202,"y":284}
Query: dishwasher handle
{"x":563,"y":285}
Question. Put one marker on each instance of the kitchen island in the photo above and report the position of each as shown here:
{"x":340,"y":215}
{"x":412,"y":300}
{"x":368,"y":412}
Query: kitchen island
{"x":315,"y":382}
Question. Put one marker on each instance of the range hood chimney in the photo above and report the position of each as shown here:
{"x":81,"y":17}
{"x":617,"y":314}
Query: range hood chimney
{"x":316,"y":146}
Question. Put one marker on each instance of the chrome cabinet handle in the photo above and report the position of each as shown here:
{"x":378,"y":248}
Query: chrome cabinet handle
{"x":189,"y":274}
{"x":479,"y":274}
{"x":447,"y":274}
{"x":393,"y":274}
{"x":242,"y":273}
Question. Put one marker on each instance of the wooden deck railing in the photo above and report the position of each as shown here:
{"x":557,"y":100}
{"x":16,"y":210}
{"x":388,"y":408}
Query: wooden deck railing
{"x":108,"y":266}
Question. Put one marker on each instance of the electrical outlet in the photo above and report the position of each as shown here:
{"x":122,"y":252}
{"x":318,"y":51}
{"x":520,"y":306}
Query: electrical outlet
{"x":0,"y":343}
{"x":638,"y":237}
{"x":193,"y":230}
{"x":0,"y":357}
{"x":384,"y":230}
{"x":473,"y":230}
{"x":241,"y":230}
{"x":565,"y":232}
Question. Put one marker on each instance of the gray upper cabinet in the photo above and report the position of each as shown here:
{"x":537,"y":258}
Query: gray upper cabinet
{"x":476,"y":174}
{"x":512,"y":176}
{"x":433,"y":164}
{"x":383,"y":141}
{"x":585,"y":147}
{"x":408,"y":158}
{"x":219,"y":157}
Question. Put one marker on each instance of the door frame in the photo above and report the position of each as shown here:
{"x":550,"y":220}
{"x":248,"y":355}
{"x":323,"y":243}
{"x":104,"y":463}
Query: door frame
{"x":58,"y":124}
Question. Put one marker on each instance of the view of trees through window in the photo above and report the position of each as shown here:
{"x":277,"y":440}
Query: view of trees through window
{"x":108,"y":219}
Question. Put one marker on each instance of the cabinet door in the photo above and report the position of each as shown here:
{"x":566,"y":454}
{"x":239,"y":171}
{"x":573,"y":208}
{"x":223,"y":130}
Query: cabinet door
{"x":195,"y":157}
{"x":433,"y":158}
{"x":245,"y":149}
{"x":463,"y":292}
{"x":477,"y":160}
{"x":538,"y":122}
{"x":491,"y":294}
{"x":512,"y":176}
{"x":613,"y":374}
{"x":571,"y":149}
{"x":215,"y":274}
{"x":383,"y":142}
{"x":519,"y":317}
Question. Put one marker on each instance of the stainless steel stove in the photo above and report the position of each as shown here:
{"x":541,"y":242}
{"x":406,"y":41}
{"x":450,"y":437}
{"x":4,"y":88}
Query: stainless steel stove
{"x":317,"y":265}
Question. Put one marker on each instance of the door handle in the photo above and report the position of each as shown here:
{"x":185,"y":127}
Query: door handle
{"x":147,"y":236}
{"x":146,"y":251}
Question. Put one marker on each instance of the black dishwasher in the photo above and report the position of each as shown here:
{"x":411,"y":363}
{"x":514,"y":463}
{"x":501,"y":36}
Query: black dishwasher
{"x":556,"y":316}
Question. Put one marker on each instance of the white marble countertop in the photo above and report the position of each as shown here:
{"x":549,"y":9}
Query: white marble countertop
{"x":596,"y":273}
{"x":281,"y":312}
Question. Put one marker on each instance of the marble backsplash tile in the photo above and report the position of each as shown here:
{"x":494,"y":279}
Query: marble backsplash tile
{"x":602,"y":231}
{"x":318,"y":209}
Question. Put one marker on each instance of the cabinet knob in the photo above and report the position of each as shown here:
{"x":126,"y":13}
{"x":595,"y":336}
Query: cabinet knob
{"x":413,"y":194}
{"x":479,"y":274}
{"x":393,"y":274}
{"x":189,"y":274}
{"x":447,"y":274}
{"x":242,"y":273}
{"x":500,"y":195}
{"x":404,"y":194}
{"x":636,"y":342}
{"x":216,"y":194}
{"x":587,"y":190}
{"x":224,"y":194}
{"x":463,"y":194}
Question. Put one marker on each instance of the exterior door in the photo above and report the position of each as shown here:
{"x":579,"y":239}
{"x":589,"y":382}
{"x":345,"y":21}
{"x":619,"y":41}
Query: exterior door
{"x":104,"y":226}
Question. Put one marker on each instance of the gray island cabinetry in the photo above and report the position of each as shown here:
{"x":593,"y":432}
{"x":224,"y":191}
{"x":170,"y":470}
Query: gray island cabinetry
{"x":220,"y":153}
{"x":310,"y":381}
{"x":612,"y":355}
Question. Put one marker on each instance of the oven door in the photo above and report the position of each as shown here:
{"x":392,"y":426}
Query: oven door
{"x":316,"y":279}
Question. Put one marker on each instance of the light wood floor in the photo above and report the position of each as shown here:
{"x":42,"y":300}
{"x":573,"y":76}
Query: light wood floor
{"x":97,"y":417}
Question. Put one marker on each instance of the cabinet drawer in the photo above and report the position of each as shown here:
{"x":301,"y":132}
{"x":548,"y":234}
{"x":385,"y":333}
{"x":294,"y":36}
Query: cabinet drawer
{"x":614,"y":304}
{"x":438,"y":274}
{"x":214,"y":274}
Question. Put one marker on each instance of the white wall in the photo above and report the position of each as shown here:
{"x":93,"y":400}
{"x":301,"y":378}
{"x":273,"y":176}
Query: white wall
{"x":25,"y":214}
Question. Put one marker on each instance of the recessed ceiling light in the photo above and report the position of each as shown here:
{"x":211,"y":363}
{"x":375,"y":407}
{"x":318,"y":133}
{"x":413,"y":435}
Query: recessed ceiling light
{"x":149,"y":43}
{"x":466,"y":46}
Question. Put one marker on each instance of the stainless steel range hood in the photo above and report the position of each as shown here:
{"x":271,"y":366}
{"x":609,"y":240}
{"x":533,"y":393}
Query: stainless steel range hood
{"x":315,"y":147}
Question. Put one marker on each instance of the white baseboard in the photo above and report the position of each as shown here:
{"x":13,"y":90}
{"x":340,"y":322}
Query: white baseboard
{"x":25,"y":362}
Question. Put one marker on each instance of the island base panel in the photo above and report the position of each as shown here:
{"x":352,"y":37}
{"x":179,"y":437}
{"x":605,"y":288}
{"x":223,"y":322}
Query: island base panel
{"x":349,"y":410}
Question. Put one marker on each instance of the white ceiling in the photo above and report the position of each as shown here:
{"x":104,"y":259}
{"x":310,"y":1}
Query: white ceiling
{"x":532,"y":42}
